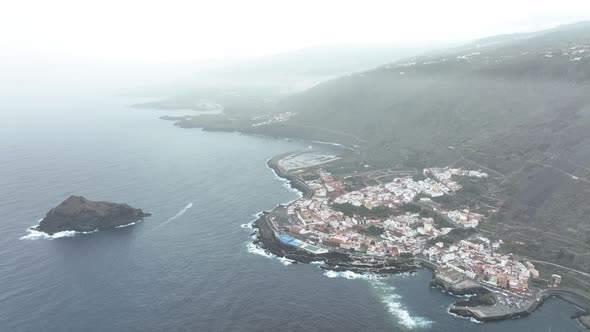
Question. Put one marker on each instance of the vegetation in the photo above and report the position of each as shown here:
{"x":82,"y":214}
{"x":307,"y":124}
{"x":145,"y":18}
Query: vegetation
{"x":362,"y":211}
{"x":411,"y":208}
{"x":439,"y":220}
{"x":568,"y":278}
{"x":373,"y":230}
{"x":511,"y":110}
{"x":454,"y":235}
{"x":406,"y":255}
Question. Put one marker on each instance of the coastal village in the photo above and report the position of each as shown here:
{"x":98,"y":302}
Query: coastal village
{"x":360,"y":222}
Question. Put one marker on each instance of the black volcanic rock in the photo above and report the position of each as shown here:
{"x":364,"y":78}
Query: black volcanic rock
{"x":79,"y":214}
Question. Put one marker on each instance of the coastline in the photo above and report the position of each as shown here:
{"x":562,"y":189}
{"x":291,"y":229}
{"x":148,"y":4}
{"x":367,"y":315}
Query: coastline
{"x":266,"y":236}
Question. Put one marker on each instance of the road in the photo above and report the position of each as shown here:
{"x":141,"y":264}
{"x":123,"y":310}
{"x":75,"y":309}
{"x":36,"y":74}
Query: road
{"x":560,"y":266}
{"x":571,"y":176}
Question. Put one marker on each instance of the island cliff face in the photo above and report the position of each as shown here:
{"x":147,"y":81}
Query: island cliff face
{"x":79,"y":214}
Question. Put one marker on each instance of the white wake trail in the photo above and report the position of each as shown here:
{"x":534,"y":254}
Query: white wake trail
{"x":180,"y":213}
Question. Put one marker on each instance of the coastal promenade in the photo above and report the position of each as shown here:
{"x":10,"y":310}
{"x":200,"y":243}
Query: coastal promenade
{"x":295,"y":181}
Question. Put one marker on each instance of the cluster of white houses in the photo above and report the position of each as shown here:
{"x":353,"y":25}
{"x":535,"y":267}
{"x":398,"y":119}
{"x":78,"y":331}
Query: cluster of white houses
{"x":477,"y":260}
{"x":315,"y":221}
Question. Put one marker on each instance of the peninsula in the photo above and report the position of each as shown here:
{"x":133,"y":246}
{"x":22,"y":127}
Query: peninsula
{"x":79,"y":214}
{"x":391,"y":220}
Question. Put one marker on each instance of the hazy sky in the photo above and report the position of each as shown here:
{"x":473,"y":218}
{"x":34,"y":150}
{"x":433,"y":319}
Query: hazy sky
{"x":174,"y":30}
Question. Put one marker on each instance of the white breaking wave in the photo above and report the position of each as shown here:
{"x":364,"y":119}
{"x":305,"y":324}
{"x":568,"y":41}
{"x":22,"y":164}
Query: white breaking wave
{"x":286,"y":183}
{"x":257,"y":250}
{"x":129,"y":224}
{"x":455,"y":315}
{"x":285,"y":261}
{"x":396,"y":308}
{"x":250,"y":225}
{"x":466,"y":296}
{"x":387,"y":296}
{"x":33,"y":234}
{"x":180,"y":213}
{"x":473,"y":320}
{"x":350,"y":275}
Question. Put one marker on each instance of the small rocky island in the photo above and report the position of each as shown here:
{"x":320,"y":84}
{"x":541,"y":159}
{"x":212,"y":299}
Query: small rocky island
{"x":82,"y":215}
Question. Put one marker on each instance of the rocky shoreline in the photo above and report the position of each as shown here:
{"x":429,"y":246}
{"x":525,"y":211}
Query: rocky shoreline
{"x":480,"y":304}
{"x":472,"y":288}
{"x":79,"y":214}
{"x":266,"y":237}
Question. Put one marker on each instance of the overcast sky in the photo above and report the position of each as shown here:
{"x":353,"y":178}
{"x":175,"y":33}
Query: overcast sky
{"x":173,"y":30}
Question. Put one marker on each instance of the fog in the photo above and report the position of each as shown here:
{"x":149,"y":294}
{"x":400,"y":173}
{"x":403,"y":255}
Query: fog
{"x":49,"y":45}
{"x":390,"y":136}
{"x":157,"y":31}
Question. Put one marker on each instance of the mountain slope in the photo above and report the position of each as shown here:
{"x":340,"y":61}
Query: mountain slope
{"x":255,"y":85}
{"x":518,"y":106}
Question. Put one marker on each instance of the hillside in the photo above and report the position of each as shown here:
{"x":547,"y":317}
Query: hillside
{"x":517,"y":105}
{"x":254,"y":86}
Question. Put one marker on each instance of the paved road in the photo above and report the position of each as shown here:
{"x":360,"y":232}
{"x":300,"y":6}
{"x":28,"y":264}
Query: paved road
{"x":560,"y":266}
{"x":571,"y":176}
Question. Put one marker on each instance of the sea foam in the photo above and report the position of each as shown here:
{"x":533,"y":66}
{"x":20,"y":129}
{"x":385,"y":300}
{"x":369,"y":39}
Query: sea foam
{"x":33,"y":234}
{"x":386,"y":293}
{"x":392,"y":302}
{"x":257,"y":250}
{"x":286,"y":183}
{"x":129,"y":224}
{"x":250,"y":225}
{"x":350,"y":275}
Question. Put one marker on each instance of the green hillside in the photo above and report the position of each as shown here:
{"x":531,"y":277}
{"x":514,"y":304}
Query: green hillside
{"x":517,"y":105}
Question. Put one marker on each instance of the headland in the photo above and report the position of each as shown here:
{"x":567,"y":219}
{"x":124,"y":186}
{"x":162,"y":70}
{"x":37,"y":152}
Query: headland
{"x":390,"y":221}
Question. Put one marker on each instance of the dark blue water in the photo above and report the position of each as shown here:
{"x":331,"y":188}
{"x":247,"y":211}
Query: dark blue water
{"x":188,"y":267}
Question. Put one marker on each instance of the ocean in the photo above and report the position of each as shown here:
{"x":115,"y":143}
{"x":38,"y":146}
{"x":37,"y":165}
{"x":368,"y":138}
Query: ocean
{"x":191,"y":266}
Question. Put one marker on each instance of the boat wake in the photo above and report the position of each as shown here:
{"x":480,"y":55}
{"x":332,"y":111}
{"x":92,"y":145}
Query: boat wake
{"x":386,"y":293}
{"x":177,"y":215}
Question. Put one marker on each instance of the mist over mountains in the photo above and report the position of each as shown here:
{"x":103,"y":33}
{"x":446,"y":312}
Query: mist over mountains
{"x":256,"y":85}
{"x":516,"y":105}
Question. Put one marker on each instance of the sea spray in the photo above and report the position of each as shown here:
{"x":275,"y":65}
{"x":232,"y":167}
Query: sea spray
{"x":286,"y":183}
{"x":129,"y":224}
{"x":250,"y":225}
{"x":257,"y":250}
{"x":387,"y":296}
{"x":351,"y":275}
{"x":33,"y":234}
{"x":455,"y":315}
